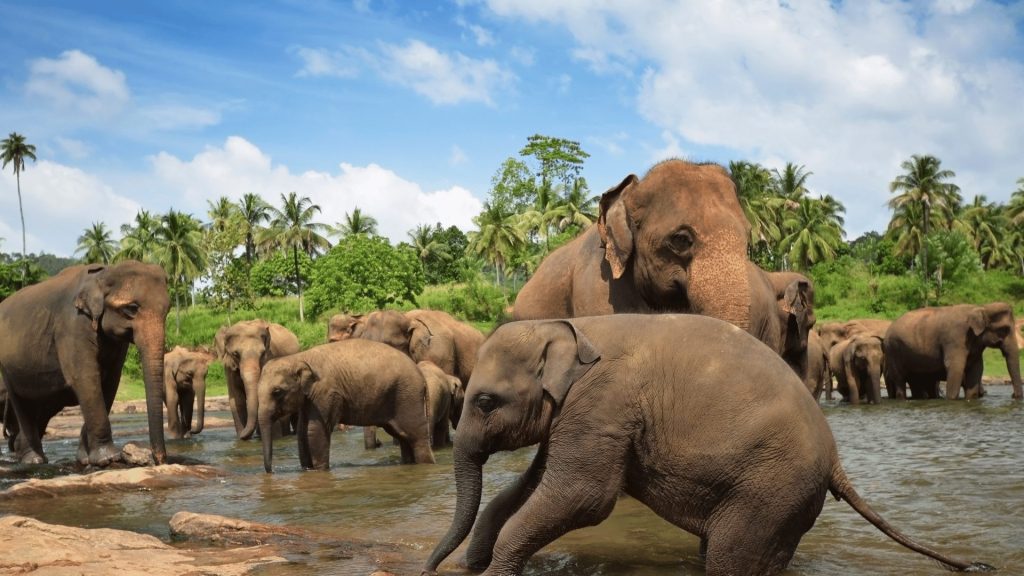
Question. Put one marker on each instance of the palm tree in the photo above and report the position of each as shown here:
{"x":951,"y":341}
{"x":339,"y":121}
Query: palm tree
{"x":1016,"y":207}
{"x":179,"y":240}
{"x":813,"y":233}
{"x":984,"y":223}
{"x":358,"y":222}
{"x":546,"y":212}
{"x":254,"y":211}
{"x":791,"y":182}
{"x":221,"y":211}
{"x":139,"y":242}
{"x":754,"y":189}
{"x":578,"y":207}
{"x":97,"y":244}
{"x":424,"y":240}
{"x":14,"y":150}
{"x":924,"y":183}
{"x":292,"y":227}
{"x":906,"y":229}
{"x":499,"y":236}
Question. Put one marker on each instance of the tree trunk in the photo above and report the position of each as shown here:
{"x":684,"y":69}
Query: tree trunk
{"x":298,"y":281}
{"x":177,"y":312}
{"x":21,"y":210}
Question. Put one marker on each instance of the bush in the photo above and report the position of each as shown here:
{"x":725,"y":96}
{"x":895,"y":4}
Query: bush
{"x":275,"y":275}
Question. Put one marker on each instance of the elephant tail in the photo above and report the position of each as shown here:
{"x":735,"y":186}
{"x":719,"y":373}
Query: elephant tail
{"x":842,"y":489}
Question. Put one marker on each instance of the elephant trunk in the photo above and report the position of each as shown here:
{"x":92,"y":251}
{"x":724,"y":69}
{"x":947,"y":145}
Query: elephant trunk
{"x":720,"y":288}
{"x":267,"y":435}
{"x":250,"y":373}
{"x":468,"y":486}
{"x":1011,"y":353}
{"x":875,"y":379}
{"x":199,"y":386}
{"x":151,"y":354}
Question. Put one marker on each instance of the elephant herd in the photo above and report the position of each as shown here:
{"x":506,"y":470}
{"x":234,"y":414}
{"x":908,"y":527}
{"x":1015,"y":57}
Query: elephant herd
{"x":647,"y":357}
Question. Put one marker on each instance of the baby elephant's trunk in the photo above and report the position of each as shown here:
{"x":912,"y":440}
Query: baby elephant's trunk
{"x":468,"y":486}
{"x":267,"y":435}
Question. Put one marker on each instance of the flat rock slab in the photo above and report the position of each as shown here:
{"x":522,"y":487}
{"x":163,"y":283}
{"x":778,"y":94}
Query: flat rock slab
{"x":33,"y":547}
{"x":148,"y":478}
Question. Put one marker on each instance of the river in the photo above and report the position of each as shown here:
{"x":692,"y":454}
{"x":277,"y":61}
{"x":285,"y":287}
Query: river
{"x":949,"y":474}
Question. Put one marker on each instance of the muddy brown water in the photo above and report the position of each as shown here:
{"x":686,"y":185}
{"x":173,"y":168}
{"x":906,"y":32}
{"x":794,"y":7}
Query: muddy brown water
{"x":950,"y":474}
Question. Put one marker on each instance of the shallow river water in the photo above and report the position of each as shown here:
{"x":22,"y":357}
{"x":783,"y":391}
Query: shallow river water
{"x":949,"y":474}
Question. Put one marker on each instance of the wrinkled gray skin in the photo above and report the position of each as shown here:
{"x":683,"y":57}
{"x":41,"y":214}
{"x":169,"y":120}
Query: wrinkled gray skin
{"x":818,"y":376}
{"x":794,"y":301}
{"x":834,"y":332}
{"x":444,"y":402}
{"x":674,"y":241}
{"x":857,"y":363}
{"x":64,"y":342}
{"x":244,"y":348}
{"x":928,"y":345}
{"x":184,"y":385}
{"x":658,"y":408}
{"x":341,"y":326}
{"x":355,"y":382}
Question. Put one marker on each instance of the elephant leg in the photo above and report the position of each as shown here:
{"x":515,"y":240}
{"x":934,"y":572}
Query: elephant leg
{"x":96,"y":443}
{"x":415,"y":444}
{"x":499,"y":510}
{"x":895,"y":383}
{"x":185,"y":406}
{"x":318,"y":437}
{"x":236,"y":400}
{"x":370,"y":441}
{"x":302,"y":437}
{"x":749,"y":547}
{"x":28,"y":444}
{"x":171,"y":402}
{"x":972,"y":381}
{"x":955,"y":368}
{"x":439,"y":435}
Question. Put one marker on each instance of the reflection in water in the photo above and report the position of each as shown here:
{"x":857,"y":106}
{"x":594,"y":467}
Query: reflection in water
{"x":945,"y":473}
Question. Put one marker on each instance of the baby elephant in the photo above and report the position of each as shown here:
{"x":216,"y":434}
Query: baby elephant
{"x":737,"y":453}
{"x":356,"y":382}
{"x":444,"y":404}
{"x":184,"y":383}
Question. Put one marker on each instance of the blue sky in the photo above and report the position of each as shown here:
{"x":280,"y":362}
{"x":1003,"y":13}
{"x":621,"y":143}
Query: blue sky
{"x":407,"y":109}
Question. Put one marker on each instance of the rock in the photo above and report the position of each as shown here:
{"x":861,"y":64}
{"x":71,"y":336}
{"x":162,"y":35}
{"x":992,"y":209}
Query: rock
{"x":31,"y":546}
{"x":135,"y":455}
{"x":149,"y":478}
{"x":224,"y":530}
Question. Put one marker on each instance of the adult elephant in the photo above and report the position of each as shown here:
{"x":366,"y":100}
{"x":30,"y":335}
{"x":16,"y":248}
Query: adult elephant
{"x":244,"y":348}
{"x":184,"y":384}
{"x":659,"y":408}
{"x":64,"y":341}
{"x":674,"y":241}
{"x":858,"y":363}
{"x":927,"y":345}
{"x":834,"y":332}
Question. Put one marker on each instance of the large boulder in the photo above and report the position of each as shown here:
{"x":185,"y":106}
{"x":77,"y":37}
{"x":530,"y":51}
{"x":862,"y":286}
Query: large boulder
{"x":33,"y":547}
{"x":152,"y":477}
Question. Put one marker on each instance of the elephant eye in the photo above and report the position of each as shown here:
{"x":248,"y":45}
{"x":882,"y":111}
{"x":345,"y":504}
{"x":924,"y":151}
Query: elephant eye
{"x":130,"y":310}
{"x":486,"y":403}
{"x":681,"y":241}
{"x":277,"y":392}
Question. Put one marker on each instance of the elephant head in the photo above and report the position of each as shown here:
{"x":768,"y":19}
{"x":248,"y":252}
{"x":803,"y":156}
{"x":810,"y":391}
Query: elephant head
{"x":390,"y":327}
{"x":864,"y":361}
{"x":128,"y":302}
{"x":681,"y":235}
{"x":797,"y":315}
{"x":525,"y":372}
{"x":283,"y":388}
{"x":186,"y":370}
{"x":993,"y":326}
{"x":246,"y":348}
{"x":342,"y":326}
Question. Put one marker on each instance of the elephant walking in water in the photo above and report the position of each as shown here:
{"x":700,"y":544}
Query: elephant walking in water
{"x":64,"y":341}
{"x":184,"y":384}
{"x":657,"y":407}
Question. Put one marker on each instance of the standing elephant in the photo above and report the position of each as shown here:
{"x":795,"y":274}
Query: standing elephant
{"x":927,"y":345}
{"x":674,"y":241}
{"x":794,"y":300}
{"x":834,"y":332}
{"x":244,"y":348}
{"x":64,"y":341}
{"x":444,"y":405}
{"x":857,"y":364}
{"x":656,"y":407}
{"x":355,"y":381}
{"x":184,"y":384}
{"x":818,"y":376}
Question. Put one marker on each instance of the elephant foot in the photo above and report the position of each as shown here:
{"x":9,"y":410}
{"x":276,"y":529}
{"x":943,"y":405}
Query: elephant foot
{"x":32,"y":458}
{"x":103,"y":455}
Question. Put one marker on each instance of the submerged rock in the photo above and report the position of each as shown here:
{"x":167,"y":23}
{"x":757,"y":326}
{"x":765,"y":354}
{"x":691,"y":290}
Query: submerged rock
{"x":224,"y":530}
{"x":148,"y":478}
{"x":31,"y":546}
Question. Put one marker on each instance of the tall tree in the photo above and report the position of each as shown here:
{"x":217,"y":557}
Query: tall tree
{"x":754,"y":188}
{"x":545,"y":213}
{"x":425,"y":239}
{"x":179,"y":250}
{"x":97,"y":244}
{"x":356,"y":222}
{"x":579,"y":208}
{"x":139,"y":241}
{"x":791,"y":183}
{"x":292,"y":227}
{"x":497,"y":238}
{"x":813,"y":234}
{"x":559,"y":160}
{"x":14,"y":150}
{"x":1016,"y":206}
{"x":221,"y":211}
{"x":925,"y":184}
{"x":254,"y":211}
{"x":984,"y":224}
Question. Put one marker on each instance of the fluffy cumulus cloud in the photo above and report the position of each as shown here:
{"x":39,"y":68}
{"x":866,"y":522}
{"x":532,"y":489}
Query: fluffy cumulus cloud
{"x":847,"y":89}
{"x":77,"y":82}
{"x":239,"y":167}
{"x":60,"y":203}
{"x":440,"y":77}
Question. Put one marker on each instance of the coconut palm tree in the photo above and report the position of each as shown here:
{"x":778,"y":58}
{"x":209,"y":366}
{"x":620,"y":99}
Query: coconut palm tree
{"x":498,"y":236}
{"x":97,"y":244}
{"x":292,"y":227}
{"x":179,"y":250}
{"x":356,"y":222}
{"x":14,"y":150}
{"x":424,"y":239}
{"x":984,"y":224}
{"x":139,"y":242}
{"x":813,"y":234}
{"x":221,"y":211}
{"x":253,"y":211}
{"x":1016,"y":206}
{"x":545,"y":213}
{"x":755,"y":191}
{"x":924,"y":183}
{"x":578,"y":207}
{"x":791,"y":183}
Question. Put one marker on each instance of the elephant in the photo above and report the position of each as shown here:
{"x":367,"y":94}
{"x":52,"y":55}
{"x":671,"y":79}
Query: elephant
{"x":244,"y":348}
{"x":858,"y":363}
{"x":341,"y":326}
{"x":927,"y":345}
{"x":354,"y":381}
{"x":184,"y":383}
{"x":794,"y":300}
{"x":834,"y":332}
{"x":674,"y":241}
{"x":444,"y":404}
{"x":656,"y":407}
{"x":64,"y":341}
{"x":818,"y":377}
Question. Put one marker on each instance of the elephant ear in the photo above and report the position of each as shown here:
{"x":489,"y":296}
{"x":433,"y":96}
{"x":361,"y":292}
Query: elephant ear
{"x":306,"y":377}
{"x":567,"y":356}
{"x":977,"y":321}
{"x":91,"y":295}
{"x":614,"y":226}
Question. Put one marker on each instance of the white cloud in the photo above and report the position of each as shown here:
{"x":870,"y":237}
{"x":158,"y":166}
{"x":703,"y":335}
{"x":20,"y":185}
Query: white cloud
{"x":847,"y":89}
{"x":76,"y":149}
{"x":322,"y":62}
{"x":670,"y":149}
{"x":443,"y":78}
{"x":481,"y":35}
{"x":458,"y":156}
{"x":76,"y":81}
{"x":239,"y":167}
{"x":60,"y":202}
